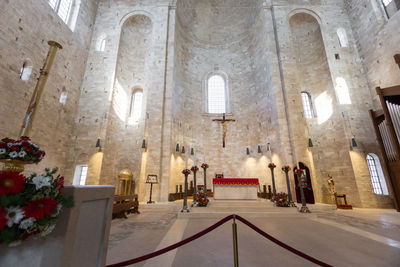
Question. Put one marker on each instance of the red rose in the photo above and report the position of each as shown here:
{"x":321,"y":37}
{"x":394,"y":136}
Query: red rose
{"x":8,"y":140}
{"x":11,"y":182}
{"x":28,"y":149}
{"x":24,"y":138}
{"x":3,"y":219}
{"x":14,"y":148}
{"x":60,"y":183}
{"x":24,"y":143}
{"x":3,"y":145}
{"x":39,"y":155}
{"x":40,"y":208}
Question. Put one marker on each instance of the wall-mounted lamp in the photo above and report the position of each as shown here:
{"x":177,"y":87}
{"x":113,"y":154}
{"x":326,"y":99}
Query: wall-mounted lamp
{"x":353,"y":142}
{"x":192,"y":151}
{"x":259,"y":149}
{"x":310,"y":144}
{"x":98,"y":144}
{"x":183,"y":149}
{"x":247,"y":151}
{"x":268,"y":147}
{"x":177,"y":148}
{"x":144,"y":144}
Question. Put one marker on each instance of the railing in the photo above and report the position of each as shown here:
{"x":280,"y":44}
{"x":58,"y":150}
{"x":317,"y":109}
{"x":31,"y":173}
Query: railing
{"x":235,"y":244}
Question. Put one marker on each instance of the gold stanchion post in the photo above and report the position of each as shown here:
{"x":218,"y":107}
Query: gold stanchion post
{"x":37,"y":93}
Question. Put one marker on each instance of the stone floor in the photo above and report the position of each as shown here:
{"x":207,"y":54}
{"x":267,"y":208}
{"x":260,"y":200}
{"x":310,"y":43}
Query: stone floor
{"x":364,"y":237}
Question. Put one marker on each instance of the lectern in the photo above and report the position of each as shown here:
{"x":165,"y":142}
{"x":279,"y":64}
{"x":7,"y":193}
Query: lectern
{"x":151,"y":179}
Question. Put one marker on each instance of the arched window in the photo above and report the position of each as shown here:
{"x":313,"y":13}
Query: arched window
{"x":342,"y":91}
{"x":216,"y":94}
{"x":67,"y":10}
{"x":101,"y":43}
{"x":63,"y":96}
{"x":26,"y":71}
{"x":377,"y":177}
{"x":307,"y":105}
{"x":391,"y":7}
{"x":136,"y":106}
{"x":342,"y":36}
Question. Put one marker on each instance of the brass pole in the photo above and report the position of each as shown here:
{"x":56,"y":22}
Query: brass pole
{"x":37,"y":93}
{"x":235,"y":242}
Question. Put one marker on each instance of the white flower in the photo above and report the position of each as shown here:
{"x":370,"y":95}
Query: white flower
{"x":10,"y":144}
{"x":48,"y":230}
{"x":14,"y":215}
{"x":59,"y":208}
{"x":41,"y":181}
{"x":13,"y":154}
{"x":22,"y":154}
{"x":3,"y":150}
{"x":26,"y":223}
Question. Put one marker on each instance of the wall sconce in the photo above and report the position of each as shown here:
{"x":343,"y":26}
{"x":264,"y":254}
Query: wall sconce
{"x":192,"y":151}
{"x":310,"y":144}
{"x":98,"y":144}
{"x":247,"y":151}
{"x":259,"y":149}
{"x":353,"y":142}
{"x":183,"y":149}
{"x":177,"y":148}
{"x":268,"y":147}
{"x":144,"y":144}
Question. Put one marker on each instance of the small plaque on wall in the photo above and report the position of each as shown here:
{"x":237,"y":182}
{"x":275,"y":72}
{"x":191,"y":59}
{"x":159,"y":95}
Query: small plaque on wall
{"x":151,"y":179}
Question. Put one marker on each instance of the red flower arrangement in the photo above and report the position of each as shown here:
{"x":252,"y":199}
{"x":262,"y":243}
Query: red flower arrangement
{"x":194,"y":168}
{"x":35,"y":203}
{"x":286,"y":168}
{"x":11,"y":182}
{"x":202,"y":199}
{"x":299,"y":172}
{"x":271,"y":165}
{"x":281,"y":200}
{"x":22,"y":149}
{"x":186,"y":171}
{"x":204,"y":166}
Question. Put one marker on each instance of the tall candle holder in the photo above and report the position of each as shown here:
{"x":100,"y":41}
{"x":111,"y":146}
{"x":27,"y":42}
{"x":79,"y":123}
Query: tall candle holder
{"x":194,"y":169}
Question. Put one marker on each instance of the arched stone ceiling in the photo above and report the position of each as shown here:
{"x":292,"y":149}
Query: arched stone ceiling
{"x":217,"y":22}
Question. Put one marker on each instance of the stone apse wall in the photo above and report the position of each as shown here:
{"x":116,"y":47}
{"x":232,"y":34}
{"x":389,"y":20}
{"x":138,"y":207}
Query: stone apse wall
{"x":25,"y":29}
{"x":269,"y":51}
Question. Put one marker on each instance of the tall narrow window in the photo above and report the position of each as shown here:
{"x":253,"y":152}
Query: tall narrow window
{"x":63,"y":96}
{"x":391,"y":7}
{"x":307,"y":105}
{"x":63,"y":8}
{"x":342,"y":91}
{"x":342,"y":36}
{"x":80,"y":174}
{"x":216,"y":94}
{"x":377,"y":178}
{"x":101,"y":43}
{"x":136,"y":106}
{"x":26,"y":71}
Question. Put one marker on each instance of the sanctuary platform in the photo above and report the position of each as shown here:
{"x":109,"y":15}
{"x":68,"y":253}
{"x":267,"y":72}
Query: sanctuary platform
{"x":235,"y":188}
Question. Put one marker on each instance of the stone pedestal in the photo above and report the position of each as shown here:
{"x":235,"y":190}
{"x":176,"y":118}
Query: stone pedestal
{"x":80,"y":238}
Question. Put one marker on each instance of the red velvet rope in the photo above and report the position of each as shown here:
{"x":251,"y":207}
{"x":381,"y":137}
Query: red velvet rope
{"x":281,"y":244}
{"x":211,"y":228}
{"x":174,"y":246}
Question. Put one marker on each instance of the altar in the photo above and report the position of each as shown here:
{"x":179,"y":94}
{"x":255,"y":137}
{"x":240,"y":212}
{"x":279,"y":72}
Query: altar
{"x":235,"y":188}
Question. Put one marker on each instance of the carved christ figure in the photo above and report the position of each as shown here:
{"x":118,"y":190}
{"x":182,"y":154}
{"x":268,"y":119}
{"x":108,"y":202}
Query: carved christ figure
{"x":224,"y":123}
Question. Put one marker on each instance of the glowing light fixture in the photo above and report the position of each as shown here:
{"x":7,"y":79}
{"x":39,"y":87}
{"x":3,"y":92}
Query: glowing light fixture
{"x":310,"y":144}
{"x":259,"y":149}
{"x":247,"y":151}
{"x":144,"y":144}
{"x":353,"y":142}
{"x":177,"y":148}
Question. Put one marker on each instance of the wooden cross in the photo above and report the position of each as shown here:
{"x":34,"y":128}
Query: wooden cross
{"x":224,"y":129}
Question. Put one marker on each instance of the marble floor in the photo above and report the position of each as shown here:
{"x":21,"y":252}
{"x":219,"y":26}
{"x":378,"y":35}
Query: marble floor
{"x":364,"y":237}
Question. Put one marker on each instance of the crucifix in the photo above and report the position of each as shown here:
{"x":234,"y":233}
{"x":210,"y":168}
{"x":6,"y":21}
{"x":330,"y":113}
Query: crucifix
{"x":224,"y":123}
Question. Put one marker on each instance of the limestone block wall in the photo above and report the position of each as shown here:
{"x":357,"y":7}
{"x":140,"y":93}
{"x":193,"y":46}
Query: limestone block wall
{"x":377,"y":39}
{"x":331,"y":153}
{"x":25,"y":28}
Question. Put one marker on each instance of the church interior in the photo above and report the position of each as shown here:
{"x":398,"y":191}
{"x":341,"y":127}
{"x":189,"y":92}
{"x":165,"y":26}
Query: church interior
{"x":288,"y":112}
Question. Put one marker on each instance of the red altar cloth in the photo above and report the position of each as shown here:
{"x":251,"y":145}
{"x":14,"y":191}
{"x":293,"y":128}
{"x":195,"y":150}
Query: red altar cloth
{"x":235,"y":181}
